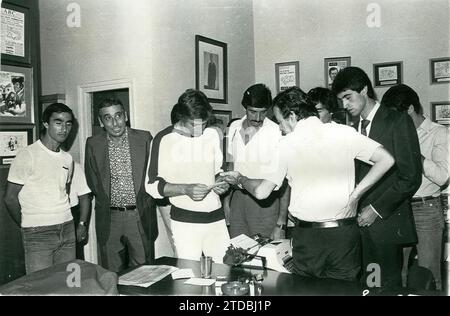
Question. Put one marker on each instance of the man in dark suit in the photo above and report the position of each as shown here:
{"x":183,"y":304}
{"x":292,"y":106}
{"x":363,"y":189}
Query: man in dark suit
{"x":115,"y":168}
{"x":385,"y":216}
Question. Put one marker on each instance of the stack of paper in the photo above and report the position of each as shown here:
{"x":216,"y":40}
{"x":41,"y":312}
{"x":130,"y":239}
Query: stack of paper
{"x":146,"y":275}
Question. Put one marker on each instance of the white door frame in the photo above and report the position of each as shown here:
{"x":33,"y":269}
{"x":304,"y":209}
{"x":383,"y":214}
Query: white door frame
{"x":85,"y":122}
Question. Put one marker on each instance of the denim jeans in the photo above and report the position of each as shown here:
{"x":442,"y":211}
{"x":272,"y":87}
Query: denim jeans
{"x":429,"y":218}
{"x":48,"y":245}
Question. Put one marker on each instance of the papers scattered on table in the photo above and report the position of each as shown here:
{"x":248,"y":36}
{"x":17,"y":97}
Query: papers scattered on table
{"x":183,"y":274}
{"x":146,"y":275}
{"x":200,"y":281}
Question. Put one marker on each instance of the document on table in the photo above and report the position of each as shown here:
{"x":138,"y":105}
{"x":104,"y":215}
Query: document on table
{"x":246,"y":243}
{"x":183,"y":274}
{"x":200,"y":281}
{"x":146,"y":275}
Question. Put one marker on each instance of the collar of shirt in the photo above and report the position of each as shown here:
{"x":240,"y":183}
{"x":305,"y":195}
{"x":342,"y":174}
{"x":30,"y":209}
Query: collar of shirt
{"x":369,"y":117}
{"x":426,"y":126}
{"x":122,"y":142}
{"x":307,"y":123}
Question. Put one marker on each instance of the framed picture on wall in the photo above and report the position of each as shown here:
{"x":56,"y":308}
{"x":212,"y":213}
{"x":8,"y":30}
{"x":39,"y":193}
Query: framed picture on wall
{"x":332,"y":66}
{"x":287,"y":75}
{"x":440,"y":112}
{"x":13,"y":139}
{"x":440,"y":70}
{"x":211,"y":68}
{"x":16,"y":95}
{"x":224,"y":117}
{"x":388,"y":74}
{"x":15,"y":32}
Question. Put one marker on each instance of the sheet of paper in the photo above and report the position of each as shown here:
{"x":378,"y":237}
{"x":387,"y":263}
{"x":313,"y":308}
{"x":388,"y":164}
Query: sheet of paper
{"x":183,"y":274}
{"x":146,"y":275}
{"x":200,"y":281}
{"x":246,"y":243}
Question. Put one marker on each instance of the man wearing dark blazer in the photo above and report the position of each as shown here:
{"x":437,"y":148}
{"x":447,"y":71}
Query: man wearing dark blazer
{"x":385,"y":215}
{"x":115,"y":167}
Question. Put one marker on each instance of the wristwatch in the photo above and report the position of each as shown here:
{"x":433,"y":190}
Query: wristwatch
{"x":83,"y":223}
{"x":281,"y":226}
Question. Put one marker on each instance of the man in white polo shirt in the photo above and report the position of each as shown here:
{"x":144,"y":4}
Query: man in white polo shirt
{"x":36,"y":194}
{"x":252,"y":143}
{"x":318,"y":160}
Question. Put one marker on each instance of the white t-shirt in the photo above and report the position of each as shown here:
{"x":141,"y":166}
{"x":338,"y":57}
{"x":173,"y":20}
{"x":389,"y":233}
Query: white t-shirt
{"x":188,"y":160}
{"x":258,"y":158}
{"x":78,"y":186}
{"x":318,"y":160}
{"x":44,"y":175}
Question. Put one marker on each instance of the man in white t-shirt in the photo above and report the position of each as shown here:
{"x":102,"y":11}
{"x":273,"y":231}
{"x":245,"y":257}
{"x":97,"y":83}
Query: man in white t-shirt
{"x":36,"y":193}
{"x":326,"y":240}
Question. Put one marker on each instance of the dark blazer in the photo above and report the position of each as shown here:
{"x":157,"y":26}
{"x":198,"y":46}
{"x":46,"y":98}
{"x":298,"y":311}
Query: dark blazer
{"x":391,"y":195}
{"x":98,"y":177}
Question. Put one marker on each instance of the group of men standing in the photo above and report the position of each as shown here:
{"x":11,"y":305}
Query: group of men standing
{"x":348,"y":215}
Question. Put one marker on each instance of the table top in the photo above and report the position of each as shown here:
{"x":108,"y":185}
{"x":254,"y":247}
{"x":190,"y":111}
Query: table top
{"x":274,"y":283}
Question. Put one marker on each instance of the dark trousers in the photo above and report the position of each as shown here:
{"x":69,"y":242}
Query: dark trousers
{"x":388,"y":256}
{"x":327,"y":252}
{"x":79,"y":248}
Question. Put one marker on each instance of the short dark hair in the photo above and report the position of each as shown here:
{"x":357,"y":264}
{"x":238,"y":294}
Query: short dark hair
{"x":257,"y":96}
{"x":17,"y":80}
{"x":324,"y":96}
{"x":353,"y":78}
{"x":109,"y":102}
{"x":295,"y":100}
{"x":400,"y":97}
{"x":55,"y":108}
{"x":193,"y":104}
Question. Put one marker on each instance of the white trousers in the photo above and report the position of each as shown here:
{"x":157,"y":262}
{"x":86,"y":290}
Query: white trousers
{"x":191,"y":239}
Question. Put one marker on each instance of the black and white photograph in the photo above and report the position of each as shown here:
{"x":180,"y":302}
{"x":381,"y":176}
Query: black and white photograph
{"x":440,"y":112}
{"x":11,"y":142}
{"x":287,"y":75}
{"x":332,"y":66}
{"x":16,"y":101}
{"x":388,"y":74}
{"x":440,"y":70}
{"x":211,"y":68}
{"x":217,"y":151}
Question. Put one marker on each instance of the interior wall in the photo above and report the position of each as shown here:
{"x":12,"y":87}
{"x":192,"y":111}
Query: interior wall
{"x":151,"y":42}
{"x":412,"y":31}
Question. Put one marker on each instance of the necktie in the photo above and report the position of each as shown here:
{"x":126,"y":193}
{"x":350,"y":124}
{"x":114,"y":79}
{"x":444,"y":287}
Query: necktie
{"x":364,"y":124}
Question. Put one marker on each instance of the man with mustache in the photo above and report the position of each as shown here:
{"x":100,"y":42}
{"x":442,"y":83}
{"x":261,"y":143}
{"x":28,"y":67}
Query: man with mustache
{"x":252,"y":143}
{"x":37,"y":196}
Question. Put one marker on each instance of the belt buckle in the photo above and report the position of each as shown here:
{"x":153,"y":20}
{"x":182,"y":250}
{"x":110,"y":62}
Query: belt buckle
{"x":122,"y":208}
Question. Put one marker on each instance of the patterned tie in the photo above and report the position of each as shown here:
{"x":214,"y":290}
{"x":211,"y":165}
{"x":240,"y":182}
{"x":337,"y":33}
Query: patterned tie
{"x":364,"y":124}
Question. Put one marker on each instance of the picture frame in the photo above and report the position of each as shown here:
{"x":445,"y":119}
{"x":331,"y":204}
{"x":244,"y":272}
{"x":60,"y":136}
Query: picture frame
{"x":211,"y":68}
{"x":224,"y":115}
{"x":388,"y":74}
{"x":15,"y":34}
{"x":440,"y":70}
{"x":287,"y":74}
{"x":16,"y":95}
{"x":440,"y":112}
{"x":13,"y":139}
{"x":332,"y":66}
